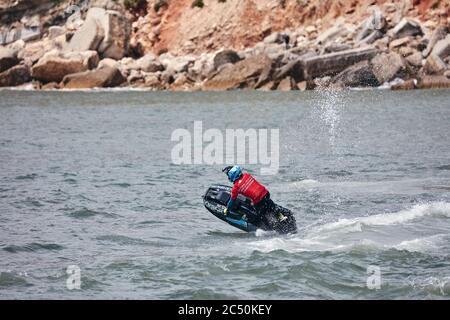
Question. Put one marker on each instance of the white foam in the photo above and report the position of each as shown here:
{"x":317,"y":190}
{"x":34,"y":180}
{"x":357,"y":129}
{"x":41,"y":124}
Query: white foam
{"x":433,"y":285}
{"x":348,"y":234}
{"x":438,"y":209}
{"x":423,"y":244}
{"x":305,"y":182}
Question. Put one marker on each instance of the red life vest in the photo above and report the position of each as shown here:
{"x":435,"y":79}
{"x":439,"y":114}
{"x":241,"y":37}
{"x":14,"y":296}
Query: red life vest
{"x":249,"y":187}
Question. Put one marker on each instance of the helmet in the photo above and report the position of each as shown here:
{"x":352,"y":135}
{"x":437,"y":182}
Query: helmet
{"x":233,"y":172}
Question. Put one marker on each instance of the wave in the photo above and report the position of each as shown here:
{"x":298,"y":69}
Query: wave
{"x":436,"y":209}
{"x":350,"y":234}
{"x":10,"y":279}
{"x":31,"y":247}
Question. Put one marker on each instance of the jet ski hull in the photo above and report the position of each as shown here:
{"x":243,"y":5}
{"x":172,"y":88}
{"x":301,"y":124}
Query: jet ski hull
{"x":244,"y":216}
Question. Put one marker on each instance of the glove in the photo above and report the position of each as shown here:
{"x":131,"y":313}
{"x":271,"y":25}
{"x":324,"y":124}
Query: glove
{"x":225,"y":211}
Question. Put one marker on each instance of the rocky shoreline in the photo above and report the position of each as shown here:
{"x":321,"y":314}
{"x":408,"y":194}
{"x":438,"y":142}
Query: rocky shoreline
{"x":91,"y":49}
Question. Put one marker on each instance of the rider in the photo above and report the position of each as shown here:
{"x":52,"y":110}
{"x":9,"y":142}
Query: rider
{"x":245,"y":184}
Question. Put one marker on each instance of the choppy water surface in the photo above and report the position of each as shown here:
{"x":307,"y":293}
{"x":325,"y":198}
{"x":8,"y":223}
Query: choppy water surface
{"x":86,"y":179}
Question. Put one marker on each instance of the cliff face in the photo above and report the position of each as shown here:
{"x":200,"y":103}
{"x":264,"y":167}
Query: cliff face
{"x":268,"y":44}
{"x":182,"y":29}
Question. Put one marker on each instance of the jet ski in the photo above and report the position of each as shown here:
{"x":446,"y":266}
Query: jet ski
{"x":244,"y":216}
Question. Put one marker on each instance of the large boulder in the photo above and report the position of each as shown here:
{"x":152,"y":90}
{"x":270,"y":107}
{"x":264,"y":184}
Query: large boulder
{"x":224,"y":57}
{"x":176,"y":64}
{"x":405,"y":28}
{"x":106,"y":31}
{"x":54,"y":65}
{"x":434,"y":65}
{"x":442,"y":47}
{"x":36,"y":50}
{"x":387,"y":66}
{"x":372,"y":28}
{"x":358,"y":75}
{"x":88,"y":37}
{"x":333,"y":63}
{"x":294,"y":69}
{"x":8,"y":58}
{"x":243,"y":74}
{"x":438,"y":34}
{"x":287,"y":84}
{"x":202,"y":67}
{"x":277,"y":37}
{"x":147,"y":63}
{"x":98,"y":78}
{"x":15,"y":76}
{"x":434,"y":82}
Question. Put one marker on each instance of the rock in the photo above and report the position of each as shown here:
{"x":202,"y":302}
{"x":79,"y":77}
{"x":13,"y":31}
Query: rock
{"x":152,"y":81}
{"x":310,"y":29}
{"x":268,"y":86}
{"x":88,"y":37}
{"x":135,"y":76}
{"x":107,"y":4}
{"x":333,"y":63}
{"x":399,"y":42}
{"x":434,"y":82}
{"x":442,"y":47}
{"x":35,"y":51}
{"x":276,"y":37}
{"x":372,"y":37}
{"x":330,"y":34}
{"x":54,"y":65}
{"x":302,"y":85}
{"x":447,"y":74}
{"x":336,"y":47}
{"x":108,"y":62}
{"x":438,"y":34}
{"x":376,"y":22}
{"x":406,"y":51}
{"x":434,"y":65}
{"x":15,"y":76}
{"x":357,"y":75}
{"x":106,"y":31}
{"x":98,"y":78}
{"x":31,"y":33}
{"x":55,"y":31}
{"x":405,"y":85}
{"x":117,"y":35}
{"x":265,"y":76}
{"x":294,"y":69}
{"x":415,"y":59}
{"x":202,"y":67}
{"x":321,"y":83}
{"x":147,"y":63}
{"x":406,"y":27}
{"x":242,"y":74}
{"x":8,"y":58}
{"x":181,"y":83}
{"x":287,"y":84}
{"x":225,"y":56}
{"x":388,"y":66}
{"x":167,"y":76}
{"x":50,"y":86}
{"x":176,"y":64}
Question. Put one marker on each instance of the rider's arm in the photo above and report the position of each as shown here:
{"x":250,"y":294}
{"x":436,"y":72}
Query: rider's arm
{"x":234,"y":194}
